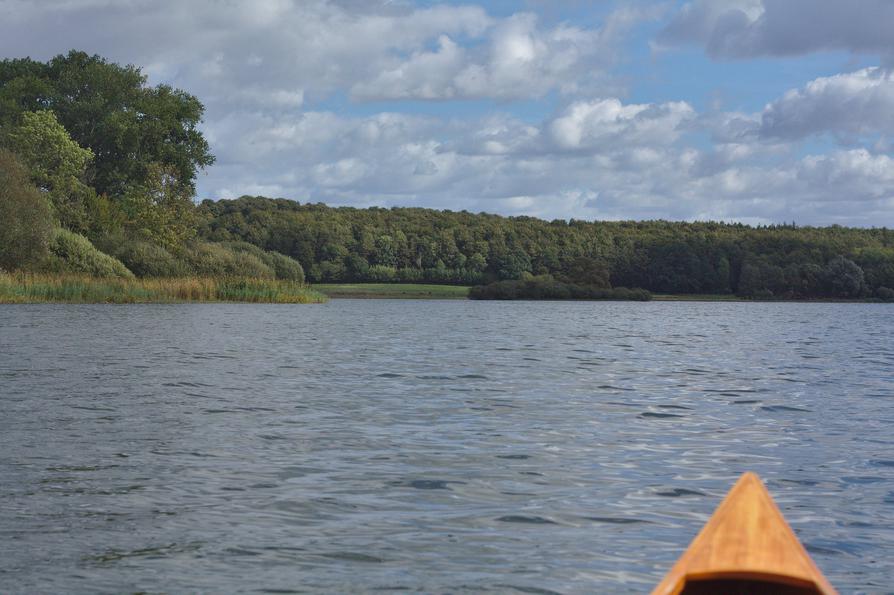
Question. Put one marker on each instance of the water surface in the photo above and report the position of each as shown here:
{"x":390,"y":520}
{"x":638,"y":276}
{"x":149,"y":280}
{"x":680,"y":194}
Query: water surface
{"x":448,"y":446}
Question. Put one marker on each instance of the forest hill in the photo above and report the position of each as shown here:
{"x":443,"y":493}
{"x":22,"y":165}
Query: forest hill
{"x":407,"y":245}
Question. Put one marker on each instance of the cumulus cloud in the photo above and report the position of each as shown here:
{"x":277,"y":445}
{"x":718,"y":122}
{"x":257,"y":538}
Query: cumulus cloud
{"x":518,"y":59}
{"x":610,"y":171}
{"x":607,"y":122}
{"x":852,"y":108}
{"x":750,"y":28}
{"x":289,"y":86}
{"x":316,"y":47}
{"x":854,"y":172}
{"x":848,"y":105}
{"x":218,"y":48}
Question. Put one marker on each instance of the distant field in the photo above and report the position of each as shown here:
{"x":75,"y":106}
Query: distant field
{"x":392,"y":290}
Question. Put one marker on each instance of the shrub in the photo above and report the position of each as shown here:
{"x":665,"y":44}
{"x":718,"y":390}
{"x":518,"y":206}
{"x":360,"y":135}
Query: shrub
{"x":885,"y":293}
{"x":215,"y":260}
{"x":247,"y":265}
{"x":73,"y":253}
{"x":146,"y":259}
{"x":284,"y":267}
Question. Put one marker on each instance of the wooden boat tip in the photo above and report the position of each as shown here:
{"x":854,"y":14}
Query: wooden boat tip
{"x":745,"y":547}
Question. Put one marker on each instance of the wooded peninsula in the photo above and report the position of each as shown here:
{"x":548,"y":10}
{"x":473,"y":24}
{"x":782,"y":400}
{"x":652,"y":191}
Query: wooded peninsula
{"x":97,"y":187}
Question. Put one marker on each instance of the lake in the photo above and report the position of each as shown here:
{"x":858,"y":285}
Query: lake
{"x":432,"y":446}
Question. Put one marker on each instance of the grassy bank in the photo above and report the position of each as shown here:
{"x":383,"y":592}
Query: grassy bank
{"x":393,"y":291}
{"x":23,"y":288}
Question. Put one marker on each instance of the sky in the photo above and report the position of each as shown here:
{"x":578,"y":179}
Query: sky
{"x":757,"y":111}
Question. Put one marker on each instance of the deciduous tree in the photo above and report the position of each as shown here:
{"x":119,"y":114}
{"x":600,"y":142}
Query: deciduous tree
{"x":56,"y":165}
{"x":25,"y":217}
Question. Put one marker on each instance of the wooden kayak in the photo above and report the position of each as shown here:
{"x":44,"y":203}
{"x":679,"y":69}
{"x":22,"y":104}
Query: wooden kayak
{"x":745,"y":547}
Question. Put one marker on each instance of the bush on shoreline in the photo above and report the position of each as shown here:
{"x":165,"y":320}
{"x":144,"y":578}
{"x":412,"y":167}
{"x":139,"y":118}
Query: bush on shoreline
{"x":284,"y":267}
{"x":73,"y":253}
{"x":146,"y":259}
{"x":215,"y":260}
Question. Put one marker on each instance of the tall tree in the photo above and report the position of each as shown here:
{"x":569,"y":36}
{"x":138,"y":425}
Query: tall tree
{"x":56,"y":163}
{"x":110,"y":109}
{"x":160,"y":210}
{"x":25,"y":217}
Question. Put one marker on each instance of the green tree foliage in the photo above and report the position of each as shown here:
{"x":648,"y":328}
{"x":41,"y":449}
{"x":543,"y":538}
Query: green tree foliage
{"x":878,"y":264}
{"x":347,"y":244}
{"x":285,"y":268}
{"x":56,"y":163}
{"x":588,"y":271}
{"x":73,"y":253}
{"x":510,"y":263}
{"x":109,"y":109}
{"x":26,"y":222}
{"x":844,"y":278}
{"x":160,"y":209}
{"x":146,"y":259}
{"x":216,"y":260}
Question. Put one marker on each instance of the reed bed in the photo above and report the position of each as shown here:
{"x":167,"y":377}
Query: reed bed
{"x":24,"y":288}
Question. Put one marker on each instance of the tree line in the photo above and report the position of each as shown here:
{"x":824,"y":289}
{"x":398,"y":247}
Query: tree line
{"x":412,"y":244}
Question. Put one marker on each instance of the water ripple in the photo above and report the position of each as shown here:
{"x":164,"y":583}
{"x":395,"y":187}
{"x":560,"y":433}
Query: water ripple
{"x":432,"y":446}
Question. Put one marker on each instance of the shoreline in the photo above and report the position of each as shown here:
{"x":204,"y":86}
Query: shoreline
{"x":430,"y":291}
{"x":81,"y":289}
{"x":380,"y":291}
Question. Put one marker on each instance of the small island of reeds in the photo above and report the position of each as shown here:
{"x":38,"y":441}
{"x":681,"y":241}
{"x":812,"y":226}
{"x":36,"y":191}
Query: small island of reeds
{"x":73,"y":288}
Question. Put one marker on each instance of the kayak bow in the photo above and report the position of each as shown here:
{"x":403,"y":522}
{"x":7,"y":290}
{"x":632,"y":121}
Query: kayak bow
{"x":745,"y":547}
